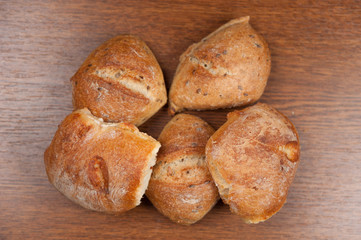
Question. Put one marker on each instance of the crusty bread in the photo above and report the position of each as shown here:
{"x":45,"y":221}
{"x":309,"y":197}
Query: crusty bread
{"x":228,"y":68}
{"x":120,"y":81}
{"x":181,"y":186}
{"x":101,"y":166}
{"x":253,"y":159}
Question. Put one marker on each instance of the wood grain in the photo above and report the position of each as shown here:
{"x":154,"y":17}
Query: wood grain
{"x":315,"y":80}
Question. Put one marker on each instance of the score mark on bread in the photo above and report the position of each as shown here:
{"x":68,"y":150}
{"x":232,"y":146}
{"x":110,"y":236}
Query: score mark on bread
{"x":98,"y":174}
{"x":291,"y":149}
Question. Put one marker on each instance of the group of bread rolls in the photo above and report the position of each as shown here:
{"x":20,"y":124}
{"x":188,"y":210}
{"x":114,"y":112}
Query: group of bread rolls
{"x":100,"y":160}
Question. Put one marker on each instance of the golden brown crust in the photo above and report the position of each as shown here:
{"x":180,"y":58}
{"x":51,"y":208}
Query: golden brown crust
{"x":253,"y":159}
{"x":181,"y":186}
{"x":228,"y":68}
{"x":120,"y":81}
{"x":99,"y":165}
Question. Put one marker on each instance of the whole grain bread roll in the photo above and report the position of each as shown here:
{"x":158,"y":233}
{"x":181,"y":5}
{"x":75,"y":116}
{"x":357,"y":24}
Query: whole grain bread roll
{"x":101,"y":166}
{"x":228,"y":68}
{"x":181,"y":186}
{"x":253,"y":159}
{"x":120,"y":81}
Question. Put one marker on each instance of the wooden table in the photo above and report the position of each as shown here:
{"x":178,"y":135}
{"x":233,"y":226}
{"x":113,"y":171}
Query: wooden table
{"x":315,"y":80}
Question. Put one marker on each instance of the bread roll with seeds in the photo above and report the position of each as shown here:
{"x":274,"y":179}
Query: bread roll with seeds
{"x":253,"y":159}
{"x":120,"y":81}
{"x":101,"y":166}
{"x":228,"y":68}
{"x":181,"y":186}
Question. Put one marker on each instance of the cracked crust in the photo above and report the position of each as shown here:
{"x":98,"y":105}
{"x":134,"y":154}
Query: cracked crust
{"x":253,"y":159}
{"x":101,"y":166}
{"x":120,"y":81}
{"x":228,"y":68}
{"x":181,"y":186}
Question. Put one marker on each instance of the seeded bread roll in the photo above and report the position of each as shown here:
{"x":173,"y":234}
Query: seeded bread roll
{"x":228,"y":68}
{"x":101,"y":166}
{"x":181,"y":186}
{"x":120,"y":81}
{"x":253,"y":159}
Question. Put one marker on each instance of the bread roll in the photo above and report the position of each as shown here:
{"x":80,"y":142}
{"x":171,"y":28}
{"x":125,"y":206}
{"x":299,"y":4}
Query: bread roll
{"x":181,"y":186}
{"x":228,"y":68}
{"x":120,"y":81}
{"x":253,"y":159}
{"x":101,"y":166}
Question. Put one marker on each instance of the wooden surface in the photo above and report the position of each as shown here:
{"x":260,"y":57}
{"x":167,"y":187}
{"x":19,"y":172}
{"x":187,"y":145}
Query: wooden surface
{"x":315,"y":80}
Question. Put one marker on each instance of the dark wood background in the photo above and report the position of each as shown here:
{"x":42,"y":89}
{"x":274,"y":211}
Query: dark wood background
{"x":315,"y":80}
